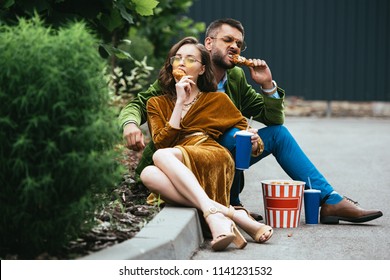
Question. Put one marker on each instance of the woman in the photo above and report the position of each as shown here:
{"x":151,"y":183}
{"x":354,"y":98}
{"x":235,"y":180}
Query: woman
{"x":190,"y":167}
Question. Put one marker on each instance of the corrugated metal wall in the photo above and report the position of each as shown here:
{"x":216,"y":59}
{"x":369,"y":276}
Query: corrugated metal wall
{"x":317,"y":49}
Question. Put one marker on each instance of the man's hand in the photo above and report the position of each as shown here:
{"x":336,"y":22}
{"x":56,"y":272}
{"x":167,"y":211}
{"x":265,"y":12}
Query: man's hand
{"x":261,"y":73}
{"x":257,"y":143}
{"x":133,"y":137}
{"x":254,"y":139}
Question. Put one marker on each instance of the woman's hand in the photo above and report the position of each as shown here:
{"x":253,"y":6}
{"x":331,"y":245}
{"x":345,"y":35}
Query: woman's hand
{"x":183,"y":89}
{"x":183,"y":92}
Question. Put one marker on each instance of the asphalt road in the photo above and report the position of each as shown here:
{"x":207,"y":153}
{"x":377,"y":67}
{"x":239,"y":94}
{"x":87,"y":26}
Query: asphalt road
{"x":354,"y":155}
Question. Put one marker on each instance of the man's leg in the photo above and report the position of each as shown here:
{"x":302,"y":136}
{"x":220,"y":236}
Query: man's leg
{"x":146,"y":159}
{"x":238,"y":184}
{"x":279,"y":142}
{"x":229,"y":142}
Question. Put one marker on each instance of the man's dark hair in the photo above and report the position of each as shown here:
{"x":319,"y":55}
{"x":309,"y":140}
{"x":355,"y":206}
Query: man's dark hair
{"x":216,"y":25}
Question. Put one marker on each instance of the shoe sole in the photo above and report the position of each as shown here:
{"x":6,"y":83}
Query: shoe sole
{"x":221,"y":244}
{"x":337,"y":219}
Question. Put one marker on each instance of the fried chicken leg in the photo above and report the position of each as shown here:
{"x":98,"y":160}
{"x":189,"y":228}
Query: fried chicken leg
{"x":178,"y":74}
{"x":240,"y":60}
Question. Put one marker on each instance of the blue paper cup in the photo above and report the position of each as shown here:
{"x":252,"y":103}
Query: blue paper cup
{"x":243,"y":149}
{"x":312,"y":205}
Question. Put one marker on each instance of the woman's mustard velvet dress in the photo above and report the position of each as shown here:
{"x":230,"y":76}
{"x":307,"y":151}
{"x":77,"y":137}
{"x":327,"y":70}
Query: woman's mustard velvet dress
{"x":206,"y":121}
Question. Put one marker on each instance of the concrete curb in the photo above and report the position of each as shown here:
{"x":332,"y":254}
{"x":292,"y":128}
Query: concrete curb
{"x":173,"y":234}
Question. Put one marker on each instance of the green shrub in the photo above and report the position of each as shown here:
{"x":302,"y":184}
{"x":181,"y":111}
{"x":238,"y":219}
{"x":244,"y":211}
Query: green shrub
{"x":57,"y":136}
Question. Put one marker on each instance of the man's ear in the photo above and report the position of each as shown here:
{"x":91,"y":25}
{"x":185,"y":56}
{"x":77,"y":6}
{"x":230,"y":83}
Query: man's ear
{"x":208,"y":43}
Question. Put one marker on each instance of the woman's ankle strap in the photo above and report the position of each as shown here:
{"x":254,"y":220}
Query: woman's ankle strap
{"x":230,"y":212}
{"x":211,"y":210}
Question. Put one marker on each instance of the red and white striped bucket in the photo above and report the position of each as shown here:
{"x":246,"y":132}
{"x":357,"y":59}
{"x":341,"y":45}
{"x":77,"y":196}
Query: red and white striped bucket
{"x":282,"y":202}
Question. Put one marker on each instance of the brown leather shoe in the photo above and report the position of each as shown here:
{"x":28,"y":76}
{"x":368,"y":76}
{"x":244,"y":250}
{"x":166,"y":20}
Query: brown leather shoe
{"x":346,"y":210}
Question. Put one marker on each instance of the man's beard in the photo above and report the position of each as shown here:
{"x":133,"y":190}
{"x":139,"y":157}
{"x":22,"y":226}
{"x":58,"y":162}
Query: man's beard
{"x":218,"y":60}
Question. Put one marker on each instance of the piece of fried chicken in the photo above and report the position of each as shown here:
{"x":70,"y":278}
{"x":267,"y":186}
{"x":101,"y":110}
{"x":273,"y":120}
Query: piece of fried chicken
{"x":178,"y":74}
{"x":240,"y":60}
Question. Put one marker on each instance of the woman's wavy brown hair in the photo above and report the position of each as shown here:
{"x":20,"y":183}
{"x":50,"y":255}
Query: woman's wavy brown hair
{"x":206,"y":82}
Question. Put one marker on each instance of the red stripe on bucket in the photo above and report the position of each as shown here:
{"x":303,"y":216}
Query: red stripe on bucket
{"x":281,"y":203}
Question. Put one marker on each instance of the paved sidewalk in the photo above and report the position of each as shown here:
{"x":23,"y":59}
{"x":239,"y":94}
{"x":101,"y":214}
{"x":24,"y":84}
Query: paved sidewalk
{"x":354,"y":156}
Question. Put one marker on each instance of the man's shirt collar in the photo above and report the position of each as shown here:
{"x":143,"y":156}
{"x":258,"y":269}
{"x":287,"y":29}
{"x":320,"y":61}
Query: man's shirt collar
{"x":222,"y":83}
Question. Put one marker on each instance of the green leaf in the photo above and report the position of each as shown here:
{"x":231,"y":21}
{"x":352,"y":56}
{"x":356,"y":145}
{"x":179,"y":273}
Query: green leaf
{"x":126,"y":41}
{"x":8,"y":3}
{"x":6,"y":122}
{"x":22,"y":145}
{"x":117,"y":52}
{"x":112,"y":20}
{"x":125,"y":15}
{"x":145,"y":7}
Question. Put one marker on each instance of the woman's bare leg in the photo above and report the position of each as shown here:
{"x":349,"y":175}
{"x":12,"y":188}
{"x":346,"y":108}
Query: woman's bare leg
{"x":176,"y":183}
{"x":157,"y":182}
{"x":169,"y":161}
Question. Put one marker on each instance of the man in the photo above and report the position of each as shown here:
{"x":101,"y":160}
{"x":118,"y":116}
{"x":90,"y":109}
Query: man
{"x":224,"y":38}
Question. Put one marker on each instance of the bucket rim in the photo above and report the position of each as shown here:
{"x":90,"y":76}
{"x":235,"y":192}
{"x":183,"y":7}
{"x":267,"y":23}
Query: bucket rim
{"x":282,"y":182}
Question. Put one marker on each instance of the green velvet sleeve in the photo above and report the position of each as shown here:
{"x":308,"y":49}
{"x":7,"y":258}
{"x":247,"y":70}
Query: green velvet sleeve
{"x":263,"y":108}
{"x":135,"y":110}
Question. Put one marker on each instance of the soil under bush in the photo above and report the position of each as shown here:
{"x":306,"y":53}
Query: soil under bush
{"x":120,"y":220}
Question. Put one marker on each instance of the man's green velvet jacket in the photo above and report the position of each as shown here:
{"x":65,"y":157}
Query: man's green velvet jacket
{"x":264,"y":109}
